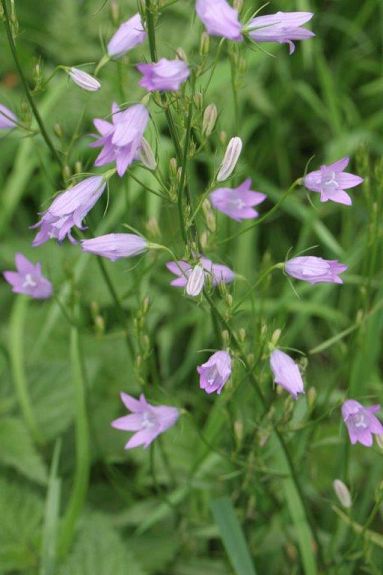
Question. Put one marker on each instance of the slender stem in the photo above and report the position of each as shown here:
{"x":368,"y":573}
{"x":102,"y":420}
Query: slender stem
{"x":28,"y":94}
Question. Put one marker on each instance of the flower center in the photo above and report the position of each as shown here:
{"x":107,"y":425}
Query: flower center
{"x":329,"y":182}
{"x":359,"y":421}
{"x":212,"y":375}
{"x":29,"y":281}
{"x":148,"y":420}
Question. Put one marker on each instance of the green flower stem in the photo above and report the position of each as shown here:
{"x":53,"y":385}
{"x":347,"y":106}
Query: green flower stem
{"x":27,"y":90}
{"x":16,"y":355}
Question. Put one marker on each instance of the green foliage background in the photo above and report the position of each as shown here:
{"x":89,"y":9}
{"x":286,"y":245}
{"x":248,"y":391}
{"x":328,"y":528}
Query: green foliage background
{"x":161,"y":511}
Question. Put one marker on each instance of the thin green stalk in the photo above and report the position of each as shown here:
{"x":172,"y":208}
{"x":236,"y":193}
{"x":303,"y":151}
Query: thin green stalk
{"x":82,"y":468}
{"x":17,"y":361}
{"x":28,"y":94}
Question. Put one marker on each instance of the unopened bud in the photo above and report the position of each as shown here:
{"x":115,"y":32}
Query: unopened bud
{"x":204,"y":44}
{"x":181,"y":54}
{"x":198,"y":99}
{"x":66,"y":172}
{"x":204,"y":239}
{"x":311,"y":397}
{"x":145,"y":305}
{"x":209,"y":119}
{"x":342,"y":492}
{"x":145,"y":342}
{"x":173,"y":167}
{"x":275,"y":337}
{"x":78,"y":167}
{"x":147,"y":156}
{"x":58,"y":130}
{"x":230,"y":159}
{"x":229,"y":299}
{"x":195,"y":281}
{"x":139,"y":361}
{"x":209,"y":216}
{"x":225,"y":338}
{"x":242,"y":334}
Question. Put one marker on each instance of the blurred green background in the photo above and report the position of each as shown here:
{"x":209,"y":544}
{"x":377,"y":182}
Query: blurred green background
{"x":150,"y":512}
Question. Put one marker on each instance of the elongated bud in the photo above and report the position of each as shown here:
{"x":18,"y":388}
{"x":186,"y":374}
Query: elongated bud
{"x":198,"y":100}
{"x":173,"y":167}
{"x":209,"y":216}
{"x":204,"y":44}
{"x":84,"y":80}
{"x":275,"y":337}
{"x":147,"y":156}
{"x":181,"y":54}
{"x":209,"y":119}
{"x":230,"y":159}
{"x":78,"y":167}
{"x":195,"y":281}
{"x":342,"y":492}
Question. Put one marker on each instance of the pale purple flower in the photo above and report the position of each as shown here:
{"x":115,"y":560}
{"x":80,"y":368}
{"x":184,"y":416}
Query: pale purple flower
{"x":68,"y":209}
{"x":361,"y":422}
{"x":129,"y":34}
{"x":28,"y":279}
{"x":146,"y":420}
{"x":7,"y":118}
{"x":286,"y":372}
{"x":215,"y":273}
{"x":115,"y":246}
{"x":215,"y":372}
{"x":84,"y":80}
{"x":163,"y":75}
{"x":237,"y":203}
{"x":282,"y":27}
{"x":121,"y":139}
{"x":219,"y":19}
{"x":230,"y":159}
{"x":331,"y":181}
{"x":195,"y":281}
{"x":315,"y":270}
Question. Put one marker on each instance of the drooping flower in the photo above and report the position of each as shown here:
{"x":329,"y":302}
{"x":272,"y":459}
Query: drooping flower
{"x":215,"y":372}
{"x":219,"y":19}
{"x":115,"y":246}
{"x":129,"y":34}
{"x":146,"y":420}
{"x":28,"y":279}
{"x":121,"y":139}
{"x":214,"y":273}
{"x":68,"y":209}
{"x":237,"y":203}
{"x":286,"y":372}
{"x":361,"y":422}
{"x":282,"y":27}
{"x":230,"y":159}
{"x":315,"y":270}
{"x":195,"y":281}
{"x":163,"y":75}
{"x":84,"y":80}
{"x":7,"y":118}
{"x":331,"y":181}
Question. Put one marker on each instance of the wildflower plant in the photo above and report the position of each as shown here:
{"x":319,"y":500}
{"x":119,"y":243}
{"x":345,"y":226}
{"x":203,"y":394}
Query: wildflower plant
{"x":221,"y":377}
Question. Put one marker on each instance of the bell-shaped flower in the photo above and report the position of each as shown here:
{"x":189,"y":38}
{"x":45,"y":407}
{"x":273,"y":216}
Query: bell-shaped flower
{"x":315,"y":270}
{"x":121,"y":139}
{"x":7,"y":118}
{"x":361,"y":422}
{"x":146,"y":420}
{"x":115,"y":246}
{"x":237,"y":203}
{"x":28,"y":279}
{"x":164,"y":75}
{"x":331,"y":181}
{"x":286,"y":372}
{"x":282,"y":27}
{"x":214,"y":373}
{"x":129,"y":34}
{"x":68,"y":209}
{"x":219,"y":19}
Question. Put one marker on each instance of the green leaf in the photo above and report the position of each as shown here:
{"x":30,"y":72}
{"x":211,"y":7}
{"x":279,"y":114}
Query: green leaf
{"x":18,"y":451}
{"x":232,"y":536}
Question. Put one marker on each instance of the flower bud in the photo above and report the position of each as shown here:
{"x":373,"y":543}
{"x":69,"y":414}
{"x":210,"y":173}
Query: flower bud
{"x":204,"y":44}
{"x":198,"y":99}
{"x":209,"y":216}
{"x":195,"y":281}
{"x":275,"y":337}
{"x":209,"y":119}
{"x":147,"y":156}
{"x":342,"y":492}
{"x":58,"y":130}
{"x":84,"y":80}
{"x":204,"y":239}
{"x":173,"y":167}
{"x":230,"y":159}
{"x":181,"y":54}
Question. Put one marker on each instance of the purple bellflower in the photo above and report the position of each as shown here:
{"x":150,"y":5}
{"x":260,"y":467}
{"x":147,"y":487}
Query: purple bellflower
{"x":28,"y":279}
{"x":163,"y":75}
{"x":331,"y":181}
{"x":129,"y":34}
{"x":237,"y":203}
{"x":315,"y":270}
{"x":286,"y":372}
{"x":115,"y":246}
{"x":7,"y":118}
{"x":146,"y":420}
{"x":215,"y":372}
{"x":282,"y":27}
{"x":84,"y":80}
{"x":121,"y":139}
{"x":215,"y":273}
{"x":361,"y":422}
{"x":219,"y":19}
{"x":68,"y":209}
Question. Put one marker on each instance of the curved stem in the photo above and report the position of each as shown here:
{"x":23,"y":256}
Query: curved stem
{"x":28,"y":94}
